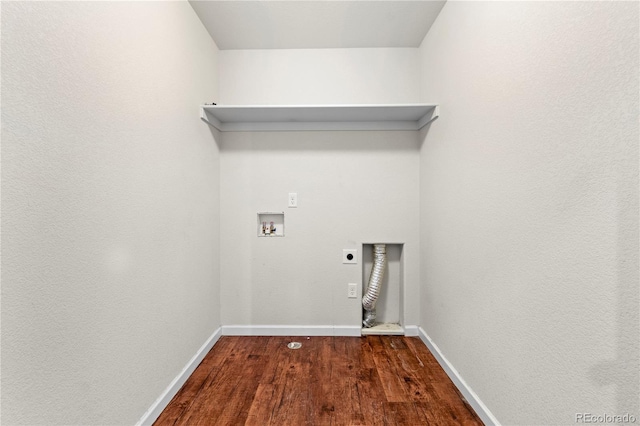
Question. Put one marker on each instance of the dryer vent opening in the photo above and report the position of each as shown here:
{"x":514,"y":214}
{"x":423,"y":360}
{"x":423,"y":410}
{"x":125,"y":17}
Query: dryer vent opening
{"x":375,"y":284}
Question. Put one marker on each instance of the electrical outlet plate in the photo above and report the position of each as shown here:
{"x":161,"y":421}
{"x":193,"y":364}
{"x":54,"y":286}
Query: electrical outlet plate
{"x":352,"y":290}
{"x":293,"y":199}
{"x":346,"y":258}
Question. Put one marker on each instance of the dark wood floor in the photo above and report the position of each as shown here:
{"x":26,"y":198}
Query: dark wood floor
{"x":373,"y":380}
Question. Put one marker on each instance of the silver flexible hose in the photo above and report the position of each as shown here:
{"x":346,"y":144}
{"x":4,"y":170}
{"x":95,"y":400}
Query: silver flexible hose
{"x":375,"y":283}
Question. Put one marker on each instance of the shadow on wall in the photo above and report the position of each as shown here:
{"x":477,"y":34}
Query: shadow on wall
{"x":623,"y":371}
{"x":216,"y":135}
{"x":424,"y":133}
{"x":338,"y":141}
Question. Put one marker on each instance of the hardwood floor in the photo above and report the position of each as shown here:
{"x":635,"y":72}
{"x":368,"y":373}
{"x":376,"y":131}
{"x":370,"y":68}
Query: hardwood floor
{"x":373,"y":380}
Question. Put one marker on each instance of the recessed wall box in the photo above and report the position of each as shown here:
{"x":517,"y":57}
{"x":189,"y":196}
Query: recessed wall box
{"x":270,"y":224}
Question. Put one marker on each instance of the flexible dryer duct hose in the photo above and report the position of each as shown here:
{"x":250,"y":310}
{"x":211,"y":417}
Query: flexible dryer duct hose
{"x":375,"y":283}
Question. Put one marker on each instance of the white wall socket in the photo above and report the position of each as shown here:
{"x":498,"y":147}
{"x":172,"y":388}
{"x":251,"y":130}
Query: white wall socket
{"x":352,"y":290}
{"x":350,"y":256}
{"x":293,"y":199}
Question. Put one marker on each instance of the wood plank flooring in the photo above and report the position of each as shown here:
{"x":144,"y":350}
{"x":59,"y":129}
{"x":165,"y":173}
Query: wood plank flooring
{"x":372,"y":380}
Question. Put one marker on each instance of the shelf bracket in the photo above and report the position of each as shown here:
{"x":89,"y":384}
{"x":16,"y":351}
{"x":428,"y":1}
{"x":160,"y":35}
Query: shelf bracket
{"x":210,"y":119}
{"x":435,"y":113}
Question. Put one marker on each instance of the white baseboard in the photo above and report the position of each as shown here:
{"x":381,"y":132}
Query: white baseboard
{"x":291,"y":330}
{"x":163,"y":400}
{"x":411,"y":330}
{"x":481,"y":410}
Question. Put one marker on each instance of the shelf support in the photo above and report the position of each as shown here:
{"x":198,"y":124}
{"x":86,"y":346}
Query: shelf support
{"x":210,"y":119}
{"x":435,"y":113}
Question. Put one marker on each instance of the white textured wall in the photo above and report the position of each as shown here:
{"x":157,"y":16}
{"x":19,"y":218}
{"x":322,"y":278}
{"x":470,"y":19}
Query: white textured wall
{"x":529,"y":205}
{"x":353,"y":187}
{"x":110,"y":206}
{"x":319,"y":76}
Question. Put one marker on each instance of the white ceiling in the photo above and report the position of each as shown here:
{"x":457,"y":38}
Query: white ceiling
{"x":304,"y":24}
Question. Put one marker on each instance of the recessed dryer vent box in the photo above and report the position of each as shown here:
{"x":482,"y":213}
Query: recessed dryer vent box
{"x":270,"y":224}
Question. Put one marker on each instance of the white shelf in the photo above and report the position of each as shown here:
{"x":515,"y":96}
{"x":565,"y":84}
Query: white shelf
{"x":257,"y":118}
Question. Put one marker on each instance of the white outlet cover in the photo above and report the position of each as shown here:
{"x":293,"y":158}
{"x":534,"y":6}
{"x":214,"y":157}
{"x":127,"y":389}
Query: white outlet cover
{"x":293,"y":200}
{"x":347,"y":252}
{"x":352,"y":290}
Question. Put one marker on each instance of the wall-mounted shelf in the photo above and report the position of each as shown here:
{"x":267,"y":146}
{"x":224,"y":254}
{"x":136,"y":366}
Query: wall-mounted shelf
{"x":254,"y":118}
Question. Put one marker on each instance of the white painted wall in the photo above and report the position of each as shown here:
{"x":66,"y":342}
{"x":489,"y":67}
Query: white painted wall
{"x":319,"y":76}
{"x":529,"y":205}
{"x":110,"y":207}
{"x":352,"y":187}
